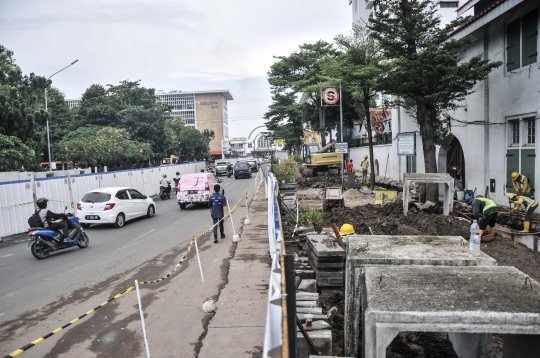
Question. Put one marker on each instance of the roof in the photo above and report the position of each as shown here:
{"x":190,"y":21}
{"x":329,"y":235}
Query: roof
{"x":473,"y":19}
{"x":226,"y":93}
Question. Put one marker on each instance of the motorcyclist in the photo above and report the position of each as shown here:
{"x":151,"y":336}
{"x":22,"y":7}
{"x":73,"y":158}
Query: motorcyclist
{"x":229,"y":168}
{"x":165,"y":183}
{"x":47,"y":218}
{"x":176,"y":179}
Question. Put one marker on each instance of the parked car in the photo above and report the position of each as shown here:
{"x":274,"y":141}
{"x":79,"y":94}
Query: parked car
{"x":221,"y":168}
{"x":253,"y":165}
{"x":114,"y":205}
{"x":195,"y":189}
{"x":242,"y":169}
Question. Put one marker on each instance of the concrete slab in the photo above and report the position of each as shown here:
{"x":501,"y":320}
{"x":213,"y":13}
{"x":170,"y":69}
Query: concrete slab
{"x":307,"y":296}
{"x":316,"y":317}
{"x":306,"y":274}
{"x":471,"y":301}
{"x":312,"y":310}
{"x":308,"y":286}
{"x":316,"y":326}
{"x":365,"y":250}
{"x":322,"y":340}
{"x":433,"y":178}
{"x":325,"y":246}
{"x":305,"y":303}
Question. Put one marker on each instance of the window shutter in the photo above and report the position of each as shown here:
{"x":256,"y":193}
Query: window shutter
{"x":530,"y":36}
{"x":512,"y":46}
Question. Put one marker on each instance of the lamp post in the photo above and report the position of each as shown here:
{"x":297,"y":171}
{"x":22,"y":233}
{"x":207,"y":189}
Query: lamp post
{"x":48,"y":135}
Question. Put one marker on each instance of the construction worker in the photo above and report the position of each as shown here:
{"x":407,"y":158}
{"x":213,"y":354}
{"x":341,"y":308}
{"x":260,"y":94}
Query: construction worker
{"x":521,"y":184}
{"x":365,"y":165}
{"x":532,"y":204}
{"x":489,"y":211}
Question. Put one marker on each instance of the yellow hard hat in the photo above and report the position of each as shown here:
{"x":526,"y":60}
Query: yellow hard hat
{"x":346,"y":229}
{"x":515,"y":175}
{"x":511,"y":196}
{"x":365,"y":156}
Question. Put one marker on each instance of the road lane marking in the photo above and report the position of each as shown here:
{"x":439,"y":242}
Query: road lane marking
{"x":8,"y":255}
{"x":140,"y":237}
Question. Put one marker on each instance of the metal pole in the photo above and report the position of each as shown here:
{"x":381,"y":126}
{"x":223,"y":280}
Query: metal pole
{"x":341,"y":131}
{"x":290,"y":286}
{"x":142,"y":320}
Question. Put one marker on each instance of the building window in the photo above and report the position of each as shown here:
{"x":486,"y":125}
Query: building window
{"x":449,"y":4}
{"x":521,"y":41}
{"x":250,"y":145}
{"x":515,"y":132}
{"x":530,"y":130}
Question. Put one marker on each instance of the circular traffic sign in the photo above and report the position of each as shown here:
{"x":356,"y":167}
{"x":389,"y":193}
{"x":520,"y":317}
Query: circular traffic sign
{"x":330,"y":96}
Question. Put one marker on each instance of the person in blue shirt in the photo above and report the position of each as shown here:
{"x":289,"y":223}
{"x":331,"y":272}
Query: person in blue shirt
{"x":217,"y":204}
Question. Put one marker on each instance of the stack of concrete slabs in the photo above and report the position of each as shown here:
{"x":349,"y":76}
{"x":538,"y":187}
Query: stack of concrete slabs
{"x":471,"y":303}
{"x":366,"y":250}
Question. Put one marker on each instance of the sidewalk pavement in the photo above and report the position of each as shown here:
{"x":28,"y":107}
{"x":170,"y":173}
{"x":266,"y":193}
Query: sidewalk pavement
{"x":237,"y":328}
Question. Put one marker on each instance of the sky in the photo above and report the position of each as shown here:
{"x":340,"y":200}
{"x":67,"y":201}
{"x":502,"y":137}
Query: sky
{"x":169,"y":44}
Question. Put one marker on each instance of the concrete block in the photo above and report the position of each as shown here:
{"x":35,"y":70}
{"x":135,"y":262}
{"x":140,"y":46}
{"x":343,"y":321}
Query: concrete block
{"x":305,"y":303}
{"x":324,"y":246}
{"x":306,"y":274}
{"x":308,"y":286}
{"x":471,"y":345}
{"x":366,"y":250}
{"x":312,"y":310}
{"x":520,"y":345}
{"x":468,"y":302}
{"x":297,"y":281}
{"x":322,"y":340}
{"x":307,"y":296}
{"x":316,"y":317}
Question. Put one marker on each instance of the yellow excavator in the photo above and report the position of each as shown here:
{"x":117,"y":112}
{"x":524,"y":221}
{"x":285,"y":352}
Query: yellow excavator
{"x":173,"y":159}
{"x":315,"y":158}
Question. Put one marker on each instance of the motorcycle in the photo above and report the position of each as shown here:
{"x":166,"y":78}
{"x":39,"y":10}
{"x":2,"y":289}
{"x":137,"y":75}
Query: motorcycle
{"x":165,"y":192}
{"x":41,"y":242}
{"x":229,"y":173}
{"x":176,"y":183}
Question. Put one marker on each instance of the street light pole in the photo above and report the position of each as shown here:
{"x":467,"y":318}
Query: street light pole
{"x":46,"y":110}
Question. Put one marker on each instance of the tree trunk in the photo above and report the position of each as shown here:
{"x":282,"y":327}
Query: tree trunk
{"x":322,"y":125}
{"x":427,"y":132}
{"x":370,"y":140}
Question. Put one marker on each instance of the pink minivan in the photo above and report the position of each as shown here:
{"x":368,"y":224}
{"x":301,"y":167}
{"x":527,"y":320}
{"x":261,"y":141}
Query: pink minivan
{"x":195,"y":189}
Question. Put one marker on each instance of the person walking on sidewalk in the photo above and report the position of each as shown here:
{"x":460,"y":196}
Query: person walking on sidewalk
{"x":349,"y":166}
{"x":365,"y":165}
{"x":217,"y":204}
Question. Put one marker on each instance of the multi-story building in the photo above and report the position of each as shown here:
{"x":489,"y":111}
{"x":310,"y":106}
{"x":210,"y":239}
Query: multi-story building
{"x":494,"y":128}
{"x":199,"y":109}
{"x":242,"y":146}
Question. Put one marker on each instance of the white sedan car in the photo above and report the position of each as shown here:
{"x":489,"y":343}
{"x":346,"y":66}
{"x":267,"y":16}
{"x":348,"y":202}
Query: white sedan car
{"x":114,"y":205}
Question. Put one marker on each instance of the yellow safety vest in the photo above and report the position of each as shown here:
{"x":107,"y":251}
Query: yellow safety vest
{"x":488,"y":204}
{"x":524,"y":200}
{"x":365,"y":164}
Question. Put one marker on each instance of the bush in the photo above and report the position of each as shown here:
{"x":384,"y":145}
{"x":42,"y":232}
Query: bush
{"x":296,"y":158}
{"x":310,"y":216}
{"x":286,"y":172}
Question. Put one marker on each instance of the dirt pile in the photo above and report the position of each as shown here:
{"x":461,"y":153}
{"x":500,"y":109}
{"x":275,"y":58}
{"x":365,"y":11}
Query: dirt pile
{"x":319,"y":181}
{"x":336,"y":320}
{"x":389,"y":220}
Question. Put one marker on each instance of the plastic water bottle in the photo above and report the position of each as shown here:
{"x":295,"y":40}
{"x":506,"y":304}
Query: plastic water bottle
{"x":474,"y":240}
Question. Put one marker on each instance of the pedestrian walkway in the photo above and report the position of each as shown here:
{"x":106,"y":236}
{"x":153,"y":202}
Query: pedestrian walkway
{"x":237,"y":328}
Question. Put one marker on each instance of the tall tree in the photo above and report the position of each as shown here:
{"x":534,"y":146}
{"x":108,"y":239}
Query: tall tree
{"x":428,"y":76}
{"x":285,"y":118}
{"x":300,"y":72}
{"x":358,"y":66}
{"x":208,"y":135}
{"x":192,"y":144}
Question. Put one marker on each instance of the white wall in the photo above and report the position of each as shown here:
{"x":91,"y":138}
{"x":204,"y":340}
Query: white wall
{"x":17,"y":196}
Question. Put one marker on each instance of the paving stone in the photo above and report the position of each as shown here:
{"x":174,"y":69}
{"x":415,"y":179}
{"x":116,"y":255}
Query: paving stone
{"x":307,"y":296}
{"x":321,"y":338}
{"x":305,"y":303}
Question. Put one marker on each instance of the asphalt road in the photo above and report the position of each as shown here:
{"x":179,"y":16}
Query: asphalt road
{"x":28,"y":285}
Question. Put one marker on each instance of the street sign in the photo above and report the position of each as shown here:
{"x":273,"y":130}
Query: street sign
{"x":330,"y":96}
{"x":406,"y":144}
{"x":279,"y":141}
{"x":342,"y":148}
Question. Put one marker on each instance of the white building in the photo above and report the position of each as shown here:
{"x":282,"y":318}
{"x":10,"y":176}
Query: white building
{"x":495,"y":127}
{"x":242,"y":146}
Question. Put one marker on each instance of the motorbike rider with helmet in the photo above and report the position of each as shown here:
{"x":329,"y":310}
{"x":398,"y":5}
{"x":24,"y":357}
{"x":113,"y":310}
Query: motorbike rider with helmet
{"x":47,"y":216}
{"x":165,"y":183}
{"x":176,"y":179}
{"x":229,"y":169}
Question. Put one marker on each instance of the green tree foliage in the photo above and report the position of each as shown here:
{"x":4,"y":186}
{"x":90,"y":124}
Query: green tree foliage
{"x":14,"y":154}
{"x":21,"y":107}
{"x":301,"y":72}
{"x":285,"y":118}
{"x":105,"y":146}
{"x":192,"y":145}
{"x":358,"y":66}
{"x":208,"y":135}
{"x":428,"y":76}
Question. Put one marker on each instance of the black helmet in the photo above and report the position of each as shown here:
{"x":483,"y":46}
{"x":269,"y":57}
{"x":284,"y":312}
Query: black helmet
{"x":42,"y":203}
{"x":177,"y":173}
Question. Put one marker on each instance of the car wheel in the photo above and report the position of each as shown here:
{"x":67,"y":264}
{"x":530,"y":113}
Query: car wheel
{"x":182,"y":206}
{"x":151,"y":211}
{"x":85,"y":225}
{"x":120,"y":221}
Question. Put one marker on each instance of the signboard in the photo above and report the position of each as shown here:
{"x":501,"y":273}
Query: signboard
{"x":406,"y":144}
{"x":342,"y":148}
{"x":279,"y":141}
{"x":225,"y":146}
{"x":330,"y":96}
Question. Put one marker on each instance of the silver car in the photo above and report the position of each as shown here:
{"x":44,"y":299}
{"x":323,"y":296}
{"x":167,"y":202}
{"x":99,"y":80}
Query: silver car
{"x":221,"y":168}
